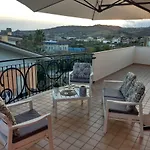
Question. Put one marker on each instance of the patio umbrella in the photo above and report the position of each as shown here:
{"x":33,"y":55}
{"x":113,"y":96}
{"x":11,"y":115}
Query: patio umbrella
{"x":93,"y":9}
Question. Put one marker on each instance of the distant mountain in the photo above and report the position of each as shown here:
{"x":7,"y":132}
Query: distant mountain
{"x":86,"y":31}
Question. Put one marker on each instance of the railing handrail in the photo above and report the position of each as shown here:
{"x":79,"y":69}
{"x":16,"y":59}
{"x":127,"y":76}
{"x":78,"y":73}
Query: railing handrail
{"x":44,"y":56}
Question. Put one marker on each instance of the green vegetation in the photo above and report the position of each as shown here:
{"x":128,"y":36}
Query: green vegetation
{"x":76,"y":36}
{"x":91,"y":46}
{"x":34,"y":42}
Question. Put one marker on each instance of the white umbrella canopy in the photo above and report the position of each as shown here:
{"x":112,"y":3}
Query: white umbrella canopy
{"x":93,"y":9}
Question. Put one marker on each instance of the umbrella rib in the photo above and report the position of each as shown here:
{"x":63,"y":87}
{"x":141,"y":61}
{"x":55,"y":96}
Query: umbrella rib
{"x":123,"y":4}
{"x":94,"y":10}
{"x":91,"y":6}
{"x":48,"y":5}
{"x":109,"y":6}
{"x":136,"y":4}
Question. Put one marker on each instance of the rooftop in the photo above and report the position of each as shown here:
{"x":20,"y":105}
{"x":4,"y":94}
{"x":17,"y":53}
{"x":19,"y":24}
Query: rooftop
{"x":16,"y":49}
{"x":74,"y":129}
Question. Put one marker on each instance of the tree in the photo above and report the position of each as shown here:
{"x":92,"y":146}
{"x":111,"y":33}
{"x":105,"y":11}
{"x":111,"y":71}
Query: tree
{"x":39,"y":37}
{"x":34,"y":42}
{"x":106,"y":47}
{"x":97,"y":49}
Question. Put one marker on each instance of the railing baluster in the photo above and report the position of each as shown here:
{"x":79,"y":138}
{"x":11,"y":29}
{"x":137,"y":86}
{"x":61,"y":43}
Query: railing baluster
{"x":16,"y":81}
{"x":20,"y":80}
{"x":12,"y":81}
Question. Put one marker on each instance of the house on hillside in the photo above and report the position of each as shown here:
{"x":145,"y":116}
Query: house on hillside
{"x":90,"y":38}
{"x":10,"y":39}
{"x":100,"y":39}
{"x":54,"y":46}
{"x":116,"y":40}
{"x":8,"y":31}
{"x":125,"y":40}
{"x":6,"y":36}
{"x":71,"y":38}
{"x":106,"y":41}
{"x":16,"y":71}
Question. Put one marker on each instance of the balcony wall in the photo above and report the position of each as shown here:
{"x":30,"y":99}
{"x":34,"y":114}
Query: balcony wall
{"x":142,"y":55}
{"x":108,"y":62}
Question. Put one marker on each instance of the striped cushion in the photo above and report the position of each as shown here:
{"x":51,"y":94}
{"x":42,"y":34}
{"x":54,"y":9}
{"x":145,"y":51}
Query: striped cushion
{"x":128,"y":81}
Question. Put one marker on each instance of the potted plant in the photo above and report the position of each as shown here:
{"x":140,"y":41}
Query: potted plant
{"x":56,"y":87}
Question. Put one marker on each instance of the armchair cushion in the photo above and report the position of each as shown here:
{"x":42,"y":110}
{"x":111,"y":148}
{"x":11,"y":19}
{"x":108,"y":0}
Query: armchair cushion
{"x":28,"y":131}
{"x":5,"y":110}
{"x":115,"y":93}
{"x":119,"y":108}
{"x":135,"y":93}
{"x":80,"y":80}
{"x":81,"y":70}
{"x":128,"y":80}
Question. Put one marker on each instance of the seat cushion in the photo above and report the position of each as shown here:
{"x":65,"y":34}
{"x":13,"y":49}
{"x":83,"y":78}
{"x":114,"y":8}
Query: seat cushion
{"x":129,"y":79}
{"x":109,"y":92}
{"x":118,"y":108}
{"x":33,"y":129}
{"x":79,"y":80}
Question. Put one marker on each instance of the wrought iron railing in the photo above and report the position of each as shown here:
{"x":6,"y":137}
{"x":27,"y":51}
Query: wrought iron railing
{"x":22,"y":78}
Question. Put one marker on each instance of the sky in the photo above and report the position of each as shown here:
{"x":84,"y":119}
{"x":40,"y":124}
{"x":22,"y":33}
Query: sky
{"x":17,"y":16}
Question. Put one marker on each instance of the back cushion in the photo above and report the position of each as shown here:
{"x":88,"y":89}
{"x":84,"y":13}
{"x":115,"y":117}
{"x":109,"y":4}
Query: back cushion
{"x":129,"y":79}
{"x":81,"y":70}
{"x":4,"y":110}
{"x":135,"y":93}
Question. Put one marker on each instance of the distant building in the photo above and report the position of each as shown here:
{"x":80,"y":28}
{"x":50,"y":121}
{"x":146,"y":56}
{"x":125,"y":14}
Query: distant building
{"x":100,"y":39}
{"x":70,"y":38}
{"x":8,"y":31}
{"x":54,"y":46}
{"x":125,"y":40}
{"x":58,"y":38}
{"x":6,"y":36}
{"x":116,"y":40}
{"x":10,"y":39}
{"x":80,"y":40}
{"x":76,"y":49}
{"x":106,"y":41}
{"x":90,"y":38}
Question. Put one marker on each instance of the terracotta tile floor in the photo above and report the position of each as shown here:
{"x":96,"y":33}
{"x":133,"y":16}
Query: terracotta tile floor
{"x":75,"y":130}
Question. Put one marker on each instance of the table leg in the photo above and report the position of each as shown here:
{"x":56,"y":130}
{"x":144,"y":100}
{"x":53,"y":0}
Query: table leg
{"x":53,"y":102}
{"x":81,"y":102}
{"x":89,"y":105}
{"x":55,"y":106}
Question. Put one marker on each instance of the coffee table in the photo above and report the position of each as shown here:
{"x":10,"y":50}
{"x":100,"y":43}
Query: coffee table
{"x":58,"y":97}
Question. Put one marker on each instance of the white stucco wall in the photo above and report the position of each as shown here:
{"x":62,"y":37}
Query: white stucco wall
{"x":12,"y":42}
{"x":142,"y":55}
{"x":108,"y":62}
{"x":8,"y":55}
{"x":8,"y":52}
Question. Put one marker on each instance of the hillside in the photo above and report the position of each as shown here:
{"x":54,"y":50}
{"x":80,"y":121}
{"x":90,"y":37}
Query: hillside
{"x":85,"y":31}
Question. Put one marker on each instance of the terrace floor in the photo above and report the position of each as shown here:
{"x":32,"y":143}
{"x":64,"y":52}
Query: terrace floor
{"x":75,"y":130}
